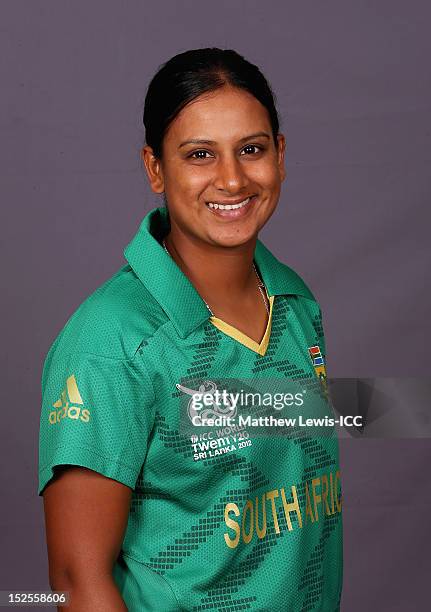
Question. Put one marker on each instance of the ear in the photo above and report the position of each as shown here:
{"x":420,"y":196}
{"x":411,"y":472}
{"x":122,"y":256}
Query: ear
{"x":281,"y":155}
{"x":153,"y":167}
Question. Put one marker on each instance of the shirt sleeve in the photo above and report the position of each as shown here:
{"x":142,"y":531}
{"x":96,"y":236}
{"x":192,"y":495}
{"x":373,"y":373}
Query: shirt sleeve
{"x":97,"y":413}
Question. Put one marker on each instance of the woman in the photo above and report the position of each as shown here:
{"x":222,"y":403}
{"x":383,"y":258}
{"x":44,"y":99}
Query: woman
{"x":139,"y":513}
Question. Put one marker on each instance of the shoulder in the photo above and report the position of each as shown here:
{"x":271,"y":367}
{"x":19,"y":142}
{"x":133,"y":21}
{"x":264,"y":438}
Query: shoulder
{"x":296,"y":284}
{"x":113,"y":321}
{"x":300,"y":290}
{"x":301,"y":299}
{"x":283,"y":280}
{"x":280,"y":278}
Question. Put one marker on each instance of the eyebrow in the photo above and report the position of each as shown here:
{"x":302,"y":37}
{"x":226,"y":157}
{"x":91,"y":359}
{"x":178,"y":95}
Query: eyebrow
{"x":213,"y":142}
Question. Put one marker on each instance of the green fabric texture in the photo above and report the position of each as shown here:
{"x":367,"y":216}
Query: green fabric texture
{"x":110,"y":403}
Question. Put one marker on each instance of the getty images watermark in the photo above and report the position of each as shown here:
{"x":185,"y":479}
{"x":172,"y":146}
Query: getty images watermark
{"x":264,"y":406}
{"x":211,"y":407}
{"x":379,"y":407}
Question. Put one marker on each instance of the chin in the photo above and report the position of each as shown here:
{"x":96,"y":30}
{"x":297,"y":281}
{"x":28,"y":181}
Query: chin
{"x":232,"y":239}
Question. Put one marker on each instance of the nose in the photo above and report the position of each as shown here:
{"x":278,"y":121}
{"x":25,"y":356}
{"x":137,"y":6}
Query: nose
{"x":230,"y":175}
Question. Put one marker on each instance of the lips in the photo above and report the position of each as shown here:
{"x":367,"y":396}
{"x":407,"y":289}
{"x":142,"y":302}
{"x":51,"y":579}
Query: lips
{"x":230,"y":205}
{"x":231,"y":209}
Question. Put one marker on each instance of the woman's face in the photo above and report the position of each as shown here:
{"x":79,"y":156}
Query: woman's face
{"x":218,"y":152}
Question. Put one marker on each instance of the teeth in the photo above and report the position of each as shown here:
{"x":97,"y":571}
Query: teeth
{"x":228,"y":206}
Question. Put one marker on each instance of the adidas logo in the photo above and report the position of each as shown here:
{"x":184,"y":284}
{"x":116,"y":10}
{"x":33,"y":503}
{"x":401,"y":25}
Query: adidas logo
{"x":69,"y":405}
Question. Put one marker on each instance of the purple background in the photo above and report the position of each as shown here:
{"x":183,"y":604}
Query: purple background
{"x":354,"y":92}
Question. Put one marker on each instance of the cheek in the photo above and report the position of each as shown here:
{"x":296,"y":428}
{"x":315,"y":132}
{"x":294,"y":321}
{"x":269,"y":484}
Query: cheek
{"x":187,"y":179}
{"x":267,"y":175}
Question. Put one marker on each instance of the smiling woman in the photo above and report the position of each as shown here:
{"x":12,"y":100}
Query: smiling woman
{"x":200,"y":299}
{"x":214,"y":160}
{"x":219,"y":160}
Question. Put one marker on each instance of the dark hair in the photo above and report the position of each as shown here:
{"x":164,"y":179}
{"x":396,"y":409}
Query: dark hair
{"x":190,"y":74}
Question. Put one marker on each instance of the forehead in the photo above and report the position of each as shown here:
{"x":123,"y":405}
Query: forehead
{"x":224,"y":114}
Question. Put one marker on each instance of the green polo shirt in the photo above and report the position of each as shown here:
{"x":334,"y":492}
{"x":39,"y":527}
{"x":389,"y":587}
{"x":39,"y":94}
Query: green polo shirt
{"x":220,"y":526}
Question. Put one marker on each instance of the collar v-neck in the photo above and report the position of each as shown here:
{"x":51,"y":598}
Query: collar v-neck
{"x":239,"y":336}
{"x":173,"y":290}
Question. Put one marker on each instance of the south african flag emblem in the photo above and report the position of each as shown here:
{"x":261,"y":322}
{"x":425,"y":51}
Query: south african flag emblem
{"x":318,"y":363}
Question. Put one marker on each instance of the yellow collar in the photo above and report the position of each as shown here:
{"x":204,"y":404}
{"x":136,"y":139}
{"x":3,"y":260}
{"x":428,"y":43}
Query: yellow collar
{"x":242,"y":338}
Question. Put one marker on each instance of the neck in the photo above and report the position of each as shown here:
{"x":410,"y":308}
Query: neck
{"x":221,"y":275}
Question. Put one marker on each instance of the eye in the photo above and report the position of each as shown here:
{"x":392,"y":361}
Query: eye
{"x":200,"y":154}
{"x":248,"y":149}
